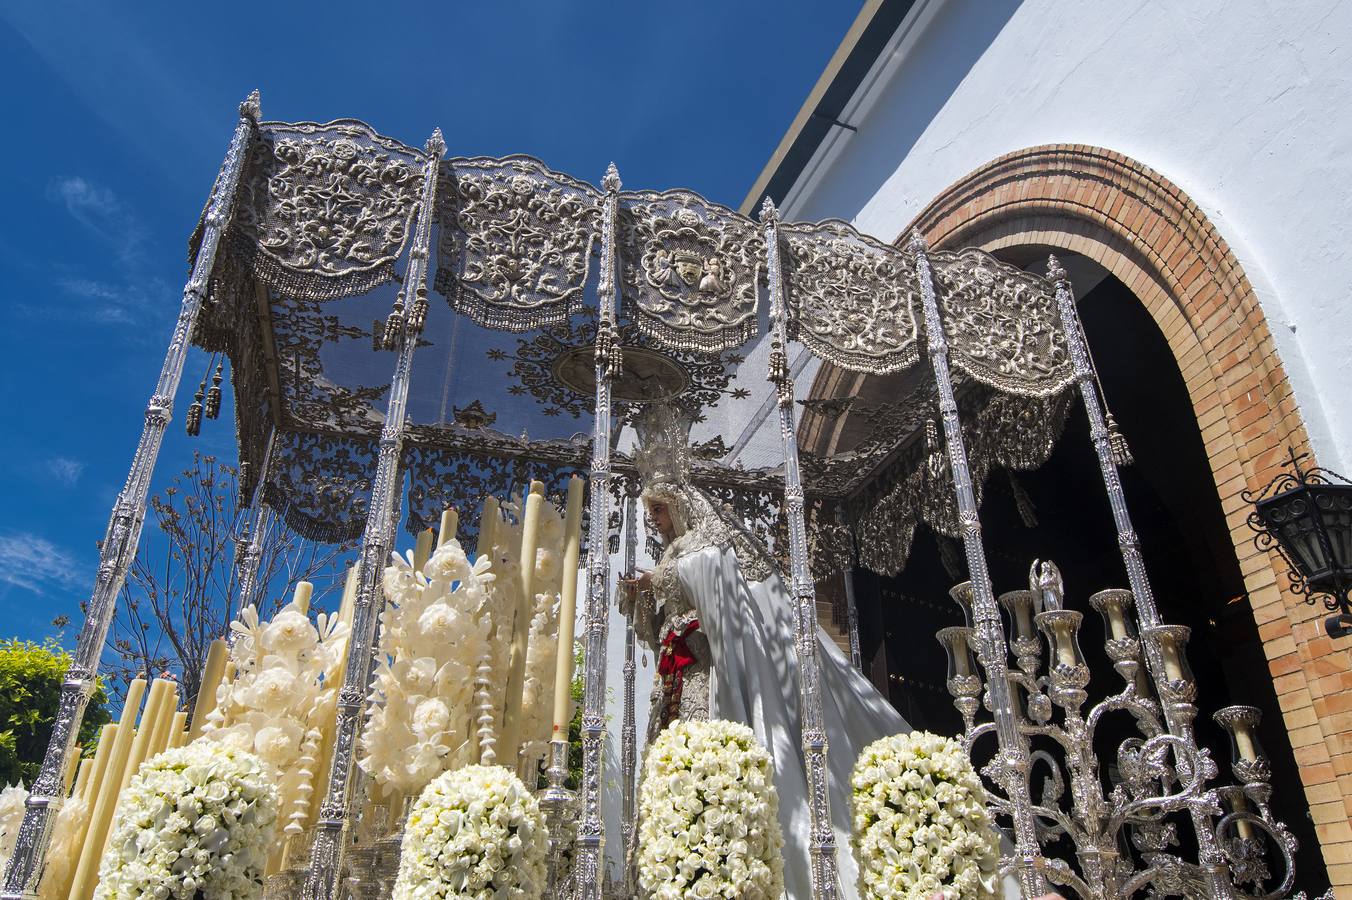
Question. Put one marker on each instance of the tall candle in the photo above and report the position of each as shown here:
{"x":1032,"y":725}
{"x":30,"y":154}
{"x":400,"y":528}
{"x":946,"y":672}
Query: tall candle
{"x":1065,"y":643}
{"x":1117,"y":622}
{"x":422,"y":549}
{"x":962,"y":664}
{"x":1173,"y":667}
{"x":140,"y":745}
{"x":82,"y":776}
{"x":178,"y":732}
{"x":301,"y":597}
{"x":525,"y":601}
{"x":159,"y":741}
{"x":105,"y":800}
{"x":1244,"y":742}
{"x":212,"y":673}
{"x":488,"y":520}
{"x":71,"y":765}
{"x":563,"y":665}
{"x":349,"y":603}
{"x":450,"y":521}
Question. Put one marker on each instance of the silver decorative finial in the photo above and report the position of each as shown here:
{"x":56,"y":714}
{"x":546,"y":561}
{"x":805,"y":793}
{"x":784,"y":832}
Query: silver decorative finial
{"x":1055,"y":272}
{"x":612,"y":180}
{"x":252,"y":107}
{"x":918,"y":241}
{"x":768,"y":211}
{"x":436,"y":144}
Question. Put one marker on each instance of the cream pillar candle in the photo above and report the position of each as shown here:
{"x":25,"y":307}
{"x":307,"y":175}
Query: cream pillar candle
{"x":1173,"y":667}
{"x":525,"y":601}
{"x":488,"y":520}
{"x":563,"y":667}
{"x":72,"y":765}
{"x":962,"y":660}
{"x":1244,"y":743}
{"x":450,"y":521}
{"x":1065,"y":643}
{"x":82,"y":776}
{"x":105,"y":800}
{"x":1117,"y":621}
{"x":178,"y":731}
{"x":422,"y":549}
{"x":159,"y":740}
{"x":301,"y":597}
{"x":140,"y":746}
{"x":348,"y":604}
{"x":212,"y":673}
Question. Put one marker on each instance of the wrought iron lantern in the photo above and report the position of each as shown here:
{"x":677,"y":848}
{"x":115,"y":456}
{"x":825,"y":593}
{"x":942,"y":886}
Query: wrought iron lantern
{"x":1307,"y":515}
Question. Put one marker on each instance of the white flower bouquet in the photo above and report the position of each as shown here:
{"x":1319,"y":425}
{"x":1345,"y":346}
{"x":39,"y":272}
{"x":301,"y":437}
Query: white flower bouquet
{"x":920,"y":821}
{"x":708,"y":815}
{"x":195,"y":821}
{"x":474,"y":833}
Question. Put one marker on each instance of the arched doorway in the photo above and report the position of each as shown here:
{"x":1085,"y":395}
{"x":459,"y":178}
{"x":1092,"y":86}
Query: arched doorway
{"x":1194,"y":378}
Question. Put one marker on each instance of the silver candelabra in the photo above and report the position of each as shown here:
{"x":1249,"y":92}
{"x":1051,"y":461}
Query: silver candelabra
{"x":1123,"y":829}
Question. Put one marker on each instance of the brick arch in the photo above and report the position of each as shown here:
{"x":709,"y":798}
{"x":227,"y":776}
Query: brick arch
{"x":1153,"y":238}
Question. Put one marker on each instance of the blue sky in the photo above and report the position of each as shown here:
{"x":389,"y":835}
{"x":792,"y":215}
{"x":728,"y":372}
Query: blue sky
{"x":119,"y":114}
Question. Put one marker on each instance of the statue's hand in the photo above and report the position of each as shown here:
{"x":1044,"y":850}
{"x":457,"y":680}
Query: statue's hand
{"x":630,"y":589}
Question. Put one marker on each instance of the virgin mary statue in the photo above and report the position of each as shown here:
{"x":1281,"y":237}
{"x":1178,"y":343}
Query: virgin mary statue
{"x":720,"y":619}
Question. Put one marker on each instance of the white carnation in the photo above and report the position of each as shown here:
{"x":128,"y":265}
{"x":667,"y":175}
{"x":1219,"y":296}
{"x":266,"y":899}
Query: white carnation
{"x":195,"y":821}
{"x":920,"y":821}
{"x":708,"y":815}
{"x":476,"y":832}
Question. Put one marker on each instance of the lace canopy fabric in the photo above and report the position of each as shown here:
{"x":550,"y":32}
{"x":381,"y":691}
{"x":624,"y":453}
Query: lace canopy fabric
{"x":310,"y":276}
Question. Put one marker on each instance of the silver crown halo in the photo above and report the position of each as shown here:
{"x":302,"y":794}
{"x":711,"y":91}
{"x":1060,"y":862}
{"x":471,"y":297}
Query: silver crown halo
{"x":663,"y":453}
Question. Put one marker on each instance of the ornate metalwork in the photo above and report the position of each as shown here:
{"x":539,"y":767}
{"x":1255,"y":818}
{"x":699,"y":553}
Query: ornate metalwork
{"x":1123,"y":837}
{"x":338,"y":806}
{"x":591,"y":828}
{"x":124,"y":532}
{"x":629,"y":728}
{"x":325,"y":210}
{"x":516,"y":241}
{"x":1001,"y":324}
{"x":1012,"y":761}
{"x":821,"y":839}
{"x":852,"y":299}
{"x":320,"y":484}
{"x":688,"y":270}
{"x":552,"y":367}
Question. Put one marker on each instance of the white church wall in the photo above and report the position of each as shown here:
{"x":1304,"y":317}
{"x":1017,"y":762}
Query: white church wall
{"x":1243,"y":105}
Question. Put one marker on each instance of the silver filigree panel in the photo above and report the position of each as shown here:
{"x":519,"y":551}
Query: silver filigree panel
{"x":515,"y":240}
{"x":323,"y":211}
{"x":852,"y":299}
{"x":689,"y":269}
{"x":1001,"y":323}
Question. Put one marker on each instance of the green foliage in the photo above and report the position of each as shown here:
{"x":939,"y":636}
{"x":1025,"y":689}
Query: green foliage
{"x":30,"y":687}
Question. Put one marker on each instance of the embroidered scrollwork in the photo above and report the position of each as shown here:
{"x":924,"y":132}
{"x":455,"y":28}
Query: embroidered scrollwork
{"x":1001,"y":323}
{"x":516,"y":241}
{"x":324,"y":211}
{"x":689,"y":269}
{"x":852,"y":299}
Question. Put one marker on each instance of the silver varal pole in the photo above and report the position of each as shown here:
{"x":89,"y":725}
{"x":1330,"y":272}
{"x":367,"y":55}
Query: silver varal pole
{"x":822,"y":839}
{"x":321,"y":882}
{"x":988,"y":630}
{"x":629,"y":731}
{"x":591,"y":828}
{"x":123,"y":536}
{"x":1177,"y":715}
{"x":852,"y":613}
{"x":259,"y":518}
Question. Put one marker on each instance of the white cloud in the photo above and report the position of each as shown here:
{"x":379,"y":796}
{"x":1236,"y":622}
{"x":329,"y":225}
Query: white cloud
{"x":102,"y":212}
{"x":66,"y":471}
{"x":36,"y":564}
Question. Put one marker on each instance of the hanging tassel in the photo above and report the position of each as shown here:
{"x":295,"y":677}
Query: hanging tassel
{"x":1022,"y":502}
{"x":213,"y":405}
{"x":951,"y":558}
{"x":1117,"y":444}
{"x":417,"y":314}
{"x":194,"y":423}
{"x":394,"y":323}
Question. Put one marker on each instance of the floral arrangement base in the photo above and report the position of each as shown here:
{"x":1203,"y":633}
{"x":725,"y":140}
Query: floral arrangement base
{"x":920,"y":822}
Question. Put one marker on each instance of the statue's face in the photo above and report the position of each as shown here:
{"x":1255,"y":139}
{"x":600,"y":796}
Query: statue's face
{"x":660,"y":514}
